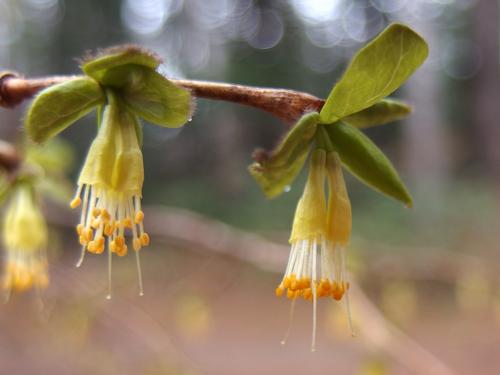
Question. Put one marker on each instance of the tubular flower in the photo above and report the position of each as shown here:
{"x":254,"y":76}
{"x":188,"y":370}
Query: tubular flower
{"x":320,"y":233}
{"x":25,"y":239}
{"x":110,"y":188}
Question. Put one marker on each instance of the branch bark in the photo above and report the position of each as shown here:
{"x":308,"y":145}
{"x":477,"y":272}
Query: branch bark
{"x":287,"y":105}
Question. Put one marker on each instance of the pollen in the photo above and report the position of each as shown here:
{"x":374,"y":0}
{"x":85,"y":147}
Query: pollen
{"x":139,"y":217}
{"x":145,"y":239}
{"x":301,"y":279}
{"x":107,"y":219}
{"x":75,"y":202}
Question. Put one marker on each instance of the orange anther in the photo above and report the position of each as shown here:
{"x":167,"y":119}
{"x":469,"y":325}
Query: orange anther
{"x":287,"y":282}
{"x":139,"y":217}
{"x":89,"y":234}
{"x":279,"y":291}
{"x":325,"y":285}
{"x":307,"y":293}
{"x":145,"y":239}
{"x":127,"y":222}
{"x":82,"y":240}
{"x":122,"y":250}
{"x":96,"y":223}
{"x":120,"y":241}
{"x":109,"y":229}
{"x":105,"y":214}
{"x":75,"y":202}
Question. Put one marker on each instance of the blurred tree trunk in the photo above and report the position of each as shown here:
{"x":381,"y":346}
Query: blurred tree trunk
{"x":486,"y":104}
{"x":425,"y":143}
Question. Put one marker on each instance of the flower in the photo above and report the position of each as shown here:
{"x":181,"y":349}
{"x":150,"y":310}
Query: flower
{"x":110,"y":188}
{"x":320,"y":233}
{"x":25,"y":240}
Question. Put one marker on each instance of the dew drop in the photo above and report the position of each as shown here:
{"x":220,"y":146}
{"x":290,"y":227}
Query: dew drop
{"x":287,"y":189}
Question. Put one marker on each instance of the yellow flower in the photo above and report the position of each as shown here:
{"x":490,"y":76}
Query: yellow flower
{"x":320,"y":233}
{"x":110,"y":188}
{"x":25,"y":240}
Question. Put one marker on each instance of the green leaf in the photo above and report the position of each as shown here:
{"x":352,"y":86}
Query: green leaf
{"x":98,"y":66}
{"x":151,"y":96}
{"x":376,"y":71}
{"x":382,"y":112}
{"x":58,"y":106}
{"x":366,"y":161}
{"x":277,"y":170}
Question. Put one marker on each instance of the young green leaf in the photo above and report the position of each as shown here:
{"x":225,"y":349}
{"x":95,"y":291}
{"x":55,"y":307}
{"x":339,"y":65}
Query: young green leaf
{"x":366,"y":161}
{"x":382,"y":112}
{"x":58,"y":106}
{"x":276,"y":171}
{"x":118,"y":56}
{"x":376,"y":71}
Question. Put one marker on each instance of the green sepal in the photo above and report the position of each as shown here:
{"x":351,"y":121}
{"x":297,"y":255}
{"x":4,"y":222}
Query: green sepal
{"x":150,"y":95}
{"x":277,"y":170}
{"x":366,"y":161}
{"x":153,"y":97}
{"x":382,"y":112}
{"x":375,"y":71}
{"x":58,"y":106}
{"x":98,"y":66}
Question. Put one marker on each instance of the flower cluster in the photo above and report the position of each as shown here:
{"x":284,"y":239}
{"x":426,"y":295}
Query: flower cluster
{"x":320,"y":233}
{"x":25,"y":240}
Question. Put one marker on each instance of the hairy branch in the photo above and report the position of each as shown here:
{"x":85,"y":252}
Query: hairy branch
{"x":287,"y":105}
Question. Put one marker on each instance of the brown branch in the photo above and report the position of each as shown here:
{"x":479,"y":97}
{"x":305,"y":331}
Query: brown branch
{"x":10,"y":160}
{"x":288,"y":105}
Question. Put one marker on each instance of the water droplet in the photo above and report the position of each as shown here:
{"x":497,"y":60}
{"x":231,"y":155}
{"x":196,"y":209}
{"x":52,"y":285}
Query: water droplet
{"x":287,"y":189}
{"x":141,"y":294}
{"x":108,"y":297}
{"x":190,"y":119}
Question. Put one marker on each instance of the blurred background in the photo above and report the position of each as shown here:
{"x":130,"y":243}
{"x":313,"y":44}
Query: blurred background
{"x":428,"y":276}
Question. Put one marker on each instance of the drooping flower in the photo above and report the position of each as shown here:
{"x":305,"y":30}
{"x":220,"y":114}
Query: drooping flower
{"x":25,"y":241}
{"x":110,"y":188}
{"x":123,"y":84}
{"x":320,"y":233}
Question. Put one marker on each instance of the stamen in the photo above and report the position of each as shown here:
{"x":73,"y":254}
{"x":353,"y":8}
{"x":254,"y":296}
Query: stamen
{"x":139,"y":217}
{"x":139,"y":273}
{"x":290,"y":321}
{"x":348,"y":312}
{"x":315,"y":299}
{"x":145,"y":239}
{"x":110,"y":258}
